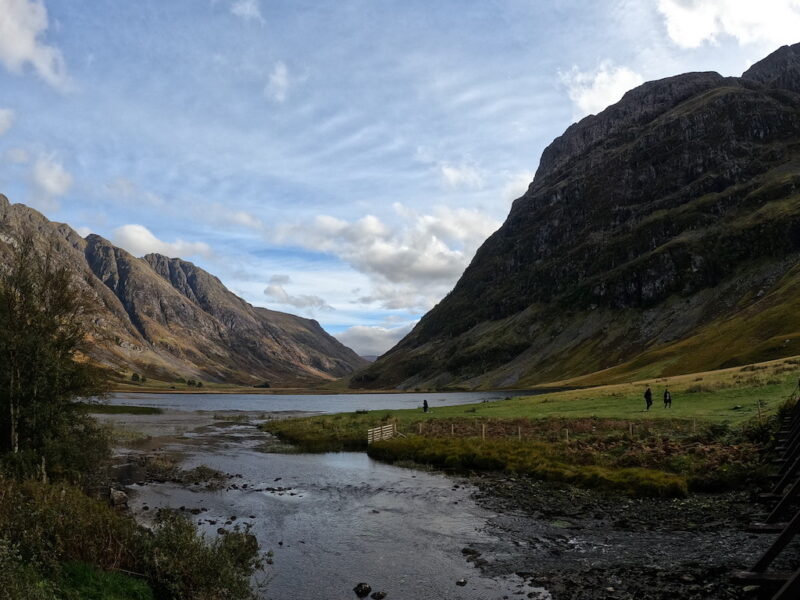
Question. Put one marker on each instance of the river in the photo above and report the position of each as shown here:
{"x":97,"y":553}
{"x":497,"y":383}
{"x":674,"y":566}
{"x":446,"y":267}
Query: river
{"x":332,"y":520}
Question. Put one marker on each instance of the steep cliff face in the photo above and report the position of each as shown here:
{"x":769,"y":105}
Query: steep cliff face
{"x":670,"y":211}
{"x":165,"y":317}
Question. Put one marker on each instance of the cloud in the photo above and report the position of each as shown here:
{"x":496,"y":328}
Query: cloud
{"x":138,"y":240}
{"x":373,"y":340}
{"x":49,"y":180}
{"x":592,"y":91}
{"x":691,"y":23}
{"x":516,"y":185}
{"x":22,"y":23}
{"x":83,"y":231}
{"x":461,"y":176}
{"x":277,"y":87}
{"x":410,"y":266}
{"x":277,"y":293}
{"x":6,"y":119}
{"x":126,"y":190}
{"x":248,"y":10}
{"x":18,"y":156}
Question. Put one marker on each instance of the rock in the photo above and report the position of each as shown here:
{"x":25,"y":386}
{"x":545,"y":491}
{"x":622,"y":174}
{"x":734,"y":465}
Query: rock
{"x":461,"y":582}
{"x":119,"y":499}
{"x":362,"y":590}
{"x":378,"y":595}
{"x":221,"y":531}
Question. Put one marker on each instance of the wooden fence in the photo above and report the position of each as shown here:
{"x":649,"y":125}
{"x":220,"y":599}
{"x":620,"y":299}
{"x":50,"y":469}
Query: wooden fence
{"x":387,"y":432}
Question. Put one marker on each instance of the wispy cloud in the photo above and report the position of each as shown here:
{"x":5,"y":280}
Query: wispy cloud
{"x":138,"y":240}
{"x":592,"y":91}
{"x":248,"y":10}
{"x":276,"y":292}
{"x":22,"y":25}
{"x":277,"y":87}
{"x":6,"y":119}
{"x":49,"y":180}
{"x":461,"y":176}
{"x":693,"y":23}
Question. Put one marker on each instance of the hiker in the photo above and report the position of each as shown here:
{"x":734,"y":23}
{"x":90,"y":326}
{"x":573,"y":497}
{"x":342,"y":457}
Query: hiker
{"x":667,"y":398}
{"x":648,"y":397}
{"x":424,"y":406}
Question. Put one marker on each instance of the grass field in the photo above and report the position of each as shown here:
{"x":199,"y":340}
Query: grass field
{"x":709,"y":439}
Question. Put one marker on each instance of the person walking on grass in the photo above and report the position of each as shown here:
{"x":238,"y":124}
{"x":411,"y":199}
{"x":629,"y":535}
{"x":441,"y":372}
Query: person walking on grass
{"x":424,"y":406}
{"x":667,"y":398}
{"x":648,"y":398}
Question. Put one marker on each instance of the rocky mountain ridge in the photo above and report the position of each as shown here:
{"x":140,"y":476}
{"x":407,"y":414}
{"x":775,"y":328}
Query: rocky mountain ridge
{"x":672,"y":213}
{"x":167,"y":318}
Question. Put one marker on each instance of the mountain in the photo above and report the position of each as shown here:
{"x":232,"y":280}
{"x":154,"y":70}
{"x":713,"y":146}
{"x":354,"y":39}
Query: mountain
{"x":660,"y":236}
{"x":166,"y":318}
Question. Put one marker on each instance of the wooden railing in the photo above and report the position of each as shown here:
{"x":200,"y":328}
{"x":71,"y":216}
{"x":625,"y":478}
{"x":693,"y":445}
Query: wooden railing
{"x":376,"y":434}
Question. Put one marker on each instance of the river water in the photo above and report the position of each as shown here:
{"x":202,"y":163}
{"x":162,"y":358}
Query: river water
{"x":332,"y":520}
{"x":330,"y":403}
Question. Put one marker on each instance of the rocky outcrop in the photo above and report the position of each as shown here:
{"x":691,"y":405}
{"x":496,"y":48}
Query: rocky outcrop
{"x":166,"y":318}
{"x":643,"y":225}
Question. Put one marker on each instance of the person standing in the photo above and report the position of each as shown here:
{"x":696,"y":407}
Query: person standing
{"x":424,"y":406}
{"x":648,"y":397}
{"x":667,"y":398}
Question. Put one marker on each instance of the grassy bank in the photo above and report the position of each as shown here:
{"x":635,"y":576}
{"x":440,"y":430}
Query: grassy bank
{"x":56,"y":542}
{"x":595,"y":437}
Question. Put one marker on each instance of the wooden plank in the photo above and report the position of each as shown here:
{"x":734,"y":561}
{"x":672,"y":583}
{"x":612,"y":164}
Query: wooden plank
{"x":783,"y":540}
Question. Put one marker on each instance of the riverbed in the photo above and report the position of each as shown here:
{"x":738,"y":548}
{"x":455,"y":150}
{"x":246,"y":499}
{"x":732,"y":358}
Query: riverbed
{"x":334,"y":520}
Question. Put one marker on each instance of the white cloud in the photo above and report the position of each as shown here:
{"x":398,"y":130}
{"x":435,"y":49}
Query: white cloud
{"x":592,"y":91}
{"x":50,"y":180}
{"x":410,"y":266}
{"x":373,"y":340}
{"x":277,"y":293}
{"x":690,"y":23}
{"x":6,"y":119}
{"x":83,"y":231}
{"x":22,"y":23}
{"x":138,"y":240}
{"x":126,"y":190}
{"x":516,"y":185}
{"x":18,"y":156}
{"x":277,"y":87}
{"x":249,"y":10}
{"x":461,"y":176}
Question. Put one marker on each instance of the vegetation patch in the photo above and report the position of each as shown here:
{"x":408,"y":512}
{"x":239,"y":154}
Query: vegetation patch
{"x":537,"y":460}
{"x":115,"y":409}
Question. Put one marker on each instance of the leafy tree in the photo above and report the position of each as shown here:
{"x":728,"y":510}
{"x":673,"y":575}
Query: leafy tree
{"x":43,"y":366}
{"x":135,"y":378}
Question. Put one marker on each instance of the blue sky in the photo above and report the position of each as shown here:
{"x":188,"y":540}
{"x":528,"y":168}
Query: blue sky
{"x":336,"y":159}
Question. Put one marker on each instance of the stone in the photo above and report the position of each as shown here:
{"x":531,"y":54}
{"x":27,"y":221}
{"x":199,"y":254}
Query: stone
{"x":362,"y":590}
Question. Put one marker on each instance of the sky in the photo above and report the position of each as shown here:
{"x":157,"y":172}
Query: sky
{"x":337,"y":159}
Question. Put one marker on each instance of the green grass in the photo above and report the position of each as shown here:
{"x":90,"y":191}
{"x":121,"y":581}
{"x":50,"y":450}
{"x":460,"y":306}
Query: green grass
{"x":594,"y":437}
{"x":113,"y":409}
{"x":81,"y":581}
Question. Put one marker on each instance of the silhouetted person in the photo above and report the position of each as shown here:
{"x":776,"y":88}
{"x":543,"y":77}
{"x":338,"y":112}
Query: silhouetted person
{"x":667,"y":398}
{"x":648,"y":397}
{"x":424,"y":406}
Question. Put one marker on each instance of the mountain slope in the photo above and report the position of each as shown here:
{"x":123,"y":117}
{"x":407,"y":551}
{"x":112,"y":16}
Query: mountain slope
{"x":668,"y":215}
{"x":167,"y":318}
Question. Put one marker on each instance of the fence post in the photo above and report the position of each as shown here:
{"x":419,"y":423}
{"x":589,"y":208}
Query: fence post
{"x":567,"y":430}
{"x":452,"y":429}
{"x":420,"y":428}
{"x":519,"y":433}
{"x":630,"y":430}
{"x":483,"y":431}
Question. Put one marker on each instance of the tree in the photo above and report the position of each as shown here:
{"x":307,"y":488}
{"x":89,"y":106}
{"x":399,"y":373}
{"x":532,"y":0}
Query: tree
{"x":135,"y":378}
{"x":43,"y":365}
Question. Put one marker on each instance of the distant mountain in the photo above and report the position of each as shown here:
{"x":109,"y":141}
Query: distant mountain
{"x":660,"y":236}
{"x":166,"y":318}
{"x":370,"y":357}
